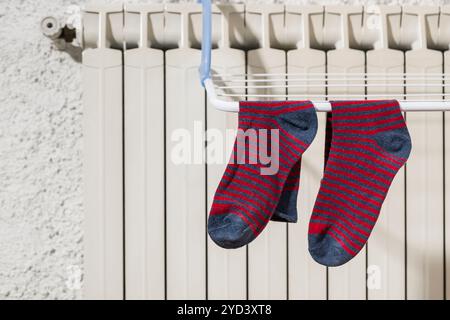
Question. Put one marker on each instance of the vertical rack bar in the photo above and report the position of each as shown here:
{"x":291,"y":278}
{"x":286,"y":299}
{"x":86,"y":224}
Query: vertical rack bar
{"x":185,"y":179}
{"x":307,"y":279}
{"x":144,"y":160}
{"x":424,"y":170}
{"x":103,"y":180}
{"x":267,"y":256}
{"x":386,"y":246}
{"x":227,"y":269}
{"x":348,"y":281}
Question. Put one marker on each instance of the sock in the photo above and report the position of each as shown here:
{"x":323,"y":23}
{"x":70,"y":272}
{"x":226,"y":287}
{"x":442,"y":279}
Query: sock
{"x":287,"y":206}
{"x":370,"y":143}
{"x":247,"y":196}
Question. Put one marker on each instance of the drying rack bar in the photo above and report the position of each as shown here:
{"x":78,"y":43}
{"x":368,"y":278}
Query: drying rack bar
{"x":332,"y":85}
{"x":326,"y":75}
{"x":221,"y":100}
{"x":343,"y":96}
{"x":325,"y":106}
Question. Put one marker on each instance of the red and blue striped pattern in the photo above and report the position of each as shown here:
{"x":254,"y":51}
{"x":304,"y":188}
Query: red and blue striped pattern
{"x":246,"y":200}
{"x":369,"y":144}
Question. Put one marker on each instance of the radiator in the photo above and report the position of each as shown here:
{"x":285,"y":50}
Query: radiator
{"x":145,"y":232}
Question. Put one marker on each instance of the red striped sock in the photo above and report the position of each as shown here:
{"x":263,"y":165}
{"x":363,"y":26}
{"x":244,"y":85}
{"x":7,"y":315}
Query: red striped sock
{"x":370,"y":143}
{"x":247,"y":196}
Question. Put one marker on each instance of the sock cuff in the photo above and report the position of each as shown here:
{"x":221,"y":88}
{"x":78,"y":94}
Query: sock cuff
{"x":368,"y":116}
{"x":273,"y":107}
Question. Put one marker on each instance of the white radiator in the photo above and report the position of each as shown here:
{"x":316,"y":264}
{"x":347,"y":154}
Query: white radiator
{"x":145,"y":234}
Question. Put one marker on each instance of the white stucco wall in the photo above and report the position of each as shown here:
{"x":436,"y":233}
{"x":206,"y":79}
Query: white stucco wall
{"x":41,"y":206}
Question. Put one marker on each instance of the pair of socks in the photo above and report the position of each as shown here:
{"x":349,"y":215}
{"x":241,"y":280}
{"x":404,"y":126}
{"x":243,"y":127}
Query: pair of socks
{"x":369,"y":143}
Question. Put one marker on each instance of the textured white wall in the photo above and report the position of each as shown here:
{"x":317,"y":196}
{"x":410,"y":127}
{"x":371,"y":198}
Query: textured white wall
{"x":41,"y":207}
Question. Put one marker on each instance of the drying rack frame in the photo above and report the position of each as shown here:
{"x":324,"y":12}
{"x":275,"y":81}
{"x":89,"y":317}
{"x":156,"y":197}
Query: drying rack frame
{"x":321,"y":106}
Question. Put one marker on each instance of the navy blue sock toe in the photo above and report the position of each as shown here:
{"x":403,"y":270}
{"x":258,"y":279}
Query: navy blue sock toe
{"x":327,"y":251}
{"x":229,"y":231}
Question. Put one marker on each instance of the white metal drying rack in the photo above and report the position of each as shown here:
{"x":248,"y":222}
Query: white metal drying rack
{"x":243,"y":82}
